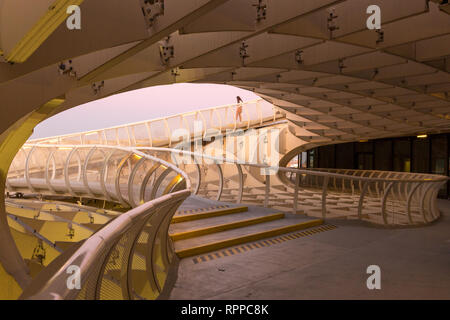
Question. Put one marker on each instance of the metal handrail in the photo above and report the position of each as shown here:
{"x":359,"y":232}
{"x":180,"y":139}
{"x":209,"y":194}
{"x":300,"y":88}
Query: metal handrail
{"x":413,"y":205}
{"x":389,"y":186}
{"x":96,"y":259}
{"x":93,"y":254}
{"x":82,"y":170}
{"x":430,"y":177}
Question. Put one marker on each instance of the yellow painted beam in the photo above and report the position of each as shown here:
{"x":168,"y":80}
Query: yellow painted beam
{"x":34,"y":38}
{"x":207,"y":214}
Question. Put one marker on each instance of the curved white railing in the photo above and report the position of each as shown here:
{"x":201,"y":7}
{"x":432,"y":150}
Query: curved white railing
{"x":120,"y":174}
{"x":380,"y":197}
{"x":163,"y":131}
{"x":384,"y":197}
{"x":131,"y":256}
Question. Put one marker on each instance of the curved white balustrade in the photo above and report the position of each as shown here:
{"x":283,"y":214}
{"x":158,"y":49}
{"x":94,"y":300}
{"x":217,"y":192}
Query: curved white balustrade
{"x":163,"y":132}
{"x":383,"y":197}
{"x":130,"y":257}
{"x":121,"y":175}
{"x":379,"y":197}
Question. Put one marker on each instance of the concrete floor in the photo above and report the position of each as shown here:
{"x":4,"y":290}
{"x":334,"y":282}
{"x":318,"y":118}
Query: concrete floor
{"x":414,"y":262}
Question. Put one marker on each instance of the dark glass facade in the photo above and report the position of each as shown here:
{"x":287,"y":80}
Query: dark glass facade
{"x":405,"y":154}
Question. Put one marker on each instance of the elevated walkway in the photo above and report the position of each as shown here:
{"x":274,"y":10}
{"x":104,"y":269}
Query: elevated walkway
{"x":169,"y":131}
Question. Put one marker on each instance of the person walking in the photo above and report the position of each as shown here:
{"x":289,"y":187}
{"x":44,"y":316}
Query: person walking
{"x":239,"y":109}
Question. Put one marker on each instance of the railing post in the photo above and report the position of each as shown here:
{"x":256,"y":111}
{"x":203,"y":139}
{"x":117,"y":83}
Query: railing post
{"x":324,"y":196}
{"x":149,"y":132}
{"x":248,"y":117}
{"x":66,"y":172}
{"x":129,"y":136}
{"x":199,"y":177}
{"x":361,"y":198}
{"x":383,"y":201}
{"x":84,"y":171}
{"x":220,"y":190}
{"x":169,"y":134}
{"x":422,"y":202}
{"x":103,"y":174}
{"x":117,"y":179}
{"x":219,"y":118}
{"x":27,"y":169}
{"x":297,"y":182}
{"x":131,"y":181}
{"x":435,"y":209}
{"x":47,"y":165}
{"x":258,"y":107}
{"x":241,"y":183}
{"x":267,"y":190}
{"x":143,"y":188}
{"x":158,"y":182}
{"x":408,"y":202}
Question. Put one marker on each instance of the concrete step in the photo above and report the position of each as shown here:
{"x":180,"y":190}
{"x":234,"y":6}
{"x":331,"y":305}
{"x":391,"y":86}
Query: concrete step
{"x":207,"y":214}
{"x":224,"y":219}
{"x":191,"y":209}
{"x":192,"y":233}
{"x":212,"y":242}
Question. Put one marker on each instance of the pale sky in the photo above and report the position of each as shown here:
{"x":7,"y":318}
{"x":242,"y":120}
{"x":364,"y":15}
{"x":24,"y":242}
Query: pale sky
{"x":139,"y":105}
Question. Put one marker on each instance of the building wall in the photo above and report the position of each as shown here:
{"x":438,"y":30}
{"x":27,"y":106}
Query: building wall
{"x":405,"y":154}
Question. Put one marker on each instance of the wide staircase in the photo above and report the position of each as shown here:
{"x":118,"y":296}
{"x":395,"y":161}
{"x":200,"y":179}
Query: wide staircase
{"x":208,"y":229}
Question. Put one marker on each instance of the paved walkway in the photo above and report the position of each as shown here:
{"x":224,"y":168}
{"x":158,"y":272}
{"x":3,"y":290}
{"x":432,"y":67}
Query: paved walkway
{"x":330,"y":264}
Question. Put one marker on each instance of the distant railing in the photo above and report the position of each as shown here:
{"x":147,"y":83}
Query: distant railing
{"x":384,"y":197}
{"x":131,"y":256}
{"x":159,"y":132}
{"x":117,"y":174}
{"x":379,"y":197}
